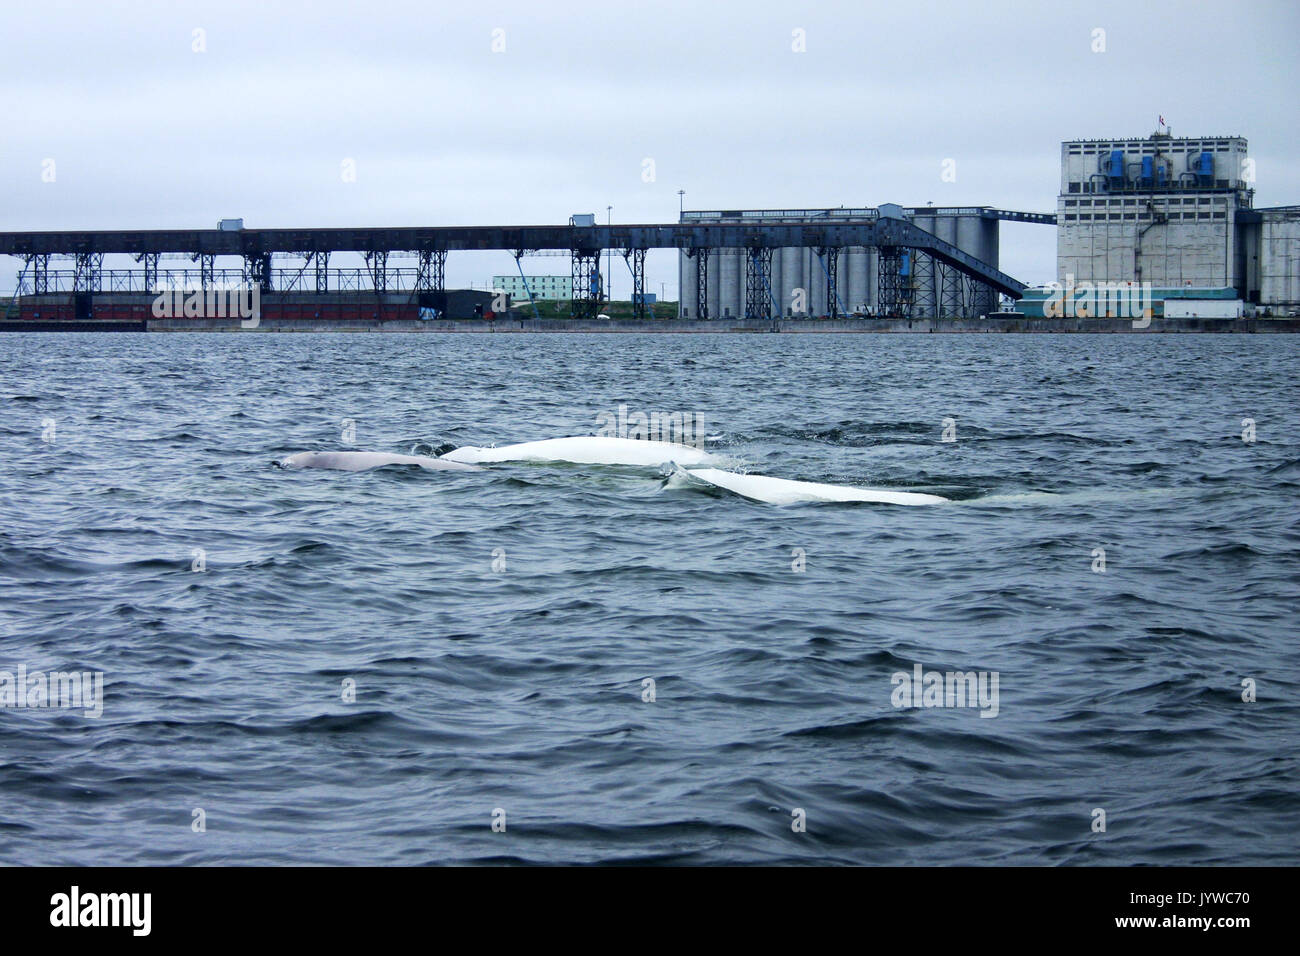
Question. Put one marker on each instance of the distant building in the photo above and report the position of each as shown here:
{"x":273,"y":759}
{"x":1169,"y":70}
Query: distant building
{"x":550,"y":288}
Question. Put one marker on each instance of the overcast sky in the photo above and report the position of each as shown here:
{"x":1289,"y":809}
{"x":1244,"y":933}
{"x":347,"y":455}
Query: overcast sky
{"x":581,"y":103}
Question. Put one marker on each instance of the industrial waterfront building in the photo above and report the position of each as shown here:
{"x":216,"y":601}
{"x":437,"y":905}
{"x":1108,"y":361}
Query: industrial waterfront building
{"x":297,"y":262}
{"x":1175,"y":213}
{"x":1159,"y":210}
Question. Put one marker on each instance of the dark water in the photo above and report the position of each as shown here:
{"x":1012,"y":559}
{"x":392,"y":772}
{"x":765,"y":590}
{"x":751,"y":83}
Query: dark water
{"x":521,"y":689}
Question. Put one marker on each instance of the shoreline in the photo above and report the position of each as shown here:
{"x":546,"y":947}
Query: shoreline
{"x":514,"y":326}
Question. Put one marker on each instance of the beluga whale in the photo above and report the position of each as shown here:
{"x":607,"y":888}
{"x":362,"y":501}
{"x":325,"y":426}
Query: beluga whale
{"x":365,"y":460}
{"x":785,"y":491}
{"x":586,"y":450}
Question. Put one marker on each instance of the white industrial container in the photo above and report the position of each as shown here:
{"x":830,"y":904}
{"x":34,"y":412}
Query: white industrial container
{"x":1203,"y":308}
{"x":230,"y":225}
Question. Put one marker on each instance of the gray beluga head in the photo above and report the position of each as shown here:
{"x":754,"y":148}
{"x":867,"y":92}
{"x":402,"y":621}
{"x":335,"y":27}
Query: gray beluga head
{"x":365,"y":460}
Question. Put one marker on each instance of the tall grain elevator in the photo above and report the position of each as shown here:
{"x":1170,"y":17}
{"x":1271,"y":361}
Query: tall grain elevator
{"x":1157,"y":209}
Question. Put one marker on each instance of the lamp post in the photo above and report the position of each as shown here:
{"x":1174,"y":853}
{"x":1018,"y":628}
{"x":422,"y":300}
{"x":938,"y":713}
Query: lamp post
{"x":609,"y":256}
{"x":681,"y":210}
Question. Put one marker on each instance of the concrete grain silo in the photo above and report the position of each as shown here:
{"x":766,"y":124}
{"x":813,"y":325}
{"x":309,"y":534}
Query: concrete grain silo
{"x":972,"y":229}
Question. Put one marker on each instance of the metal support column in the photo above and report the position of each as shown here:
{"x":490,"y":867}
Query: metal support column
{"x":89,"y":274}
{"x":635,"y":259}
{"x":830,"y":259}
{"x":925,"y":300}
{"x":321,"y":261}
{"x":40,"y":273}
{"x":943,"y":290}
{"x":984,"y":298}
{"x":701,"y":281}
{"x":895,"y":293}
{"x":377,"y":266}
{"x":150,"y":262}
{"x":207,"y":270}
{"x":588,"y":293}
{"x":758,"y":283}
{"x":257,"y":268}
{"x":431,"y":273}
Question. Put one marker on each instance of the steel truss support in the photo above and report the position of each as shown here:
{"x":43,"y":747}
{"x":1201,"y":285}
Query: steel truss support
{"x":40,"y":266}
{"x":321,"y":262}
{"x":701,"y":257}
{"x":758,"y":283}
{"x":431,"y":275}
{"x":635,"y":259}
{"x":983,"y":297}
{"x":927,"y":276}
{"x":150,"y":262}
{"x":257,"y":268}
{"x":947,"y":291}
{"x":207,"y":268}
{"x":830,"y":257}
{"x":377,"y":266}
{"x":895,"y":292}
{"x":968,"y":296}
{"x":942,"y":291}
{"x":89,"y":275}
{"x":588,"y":293}
{"x":963,"y":296}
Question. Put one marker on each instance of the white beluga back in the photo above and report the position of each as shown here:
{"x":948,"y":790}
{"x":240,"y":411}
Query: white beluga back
{"x":365,"y":460}
{"x":784,"y":491}
{"x":587,"y":450}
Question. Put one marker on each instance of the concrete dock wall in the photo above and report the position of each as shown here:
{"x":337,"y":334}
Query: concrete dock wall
{"x":662,"y":326}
